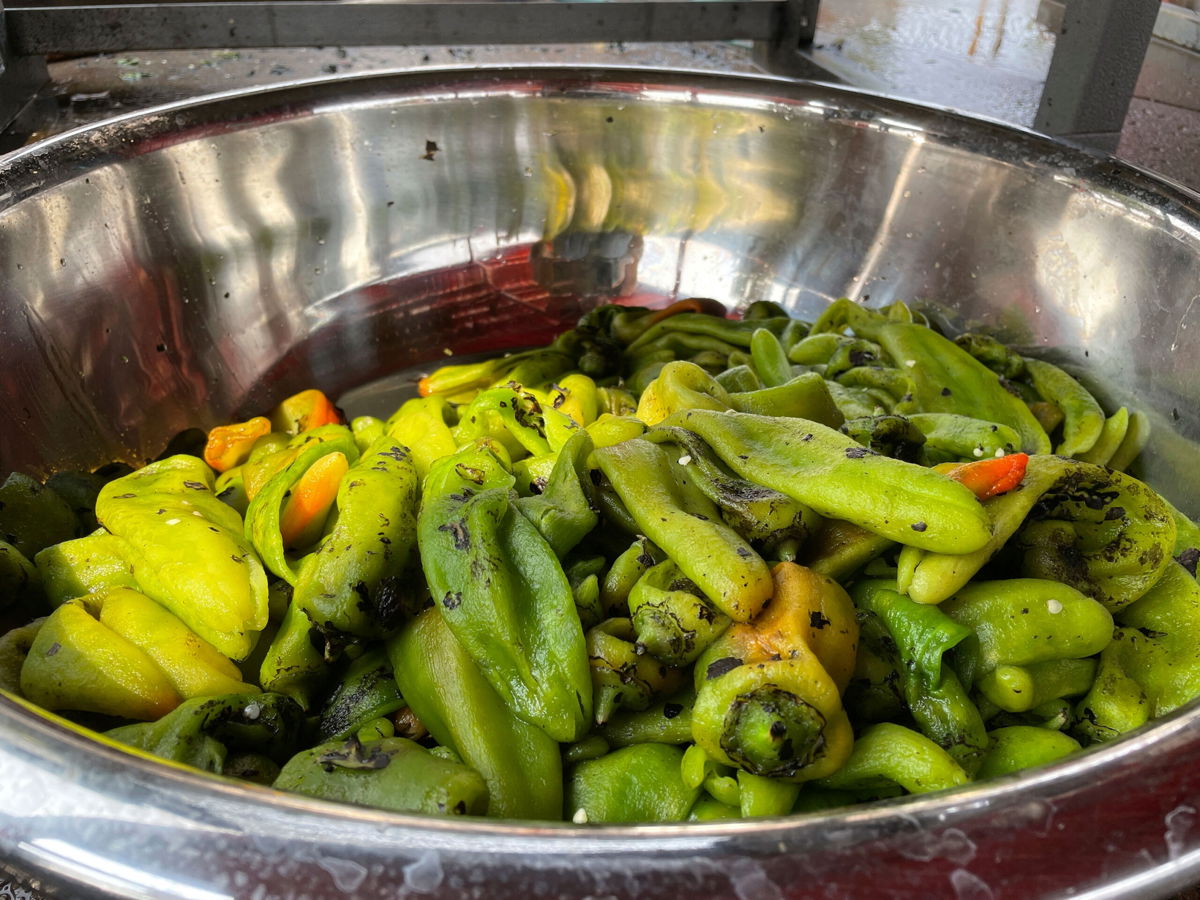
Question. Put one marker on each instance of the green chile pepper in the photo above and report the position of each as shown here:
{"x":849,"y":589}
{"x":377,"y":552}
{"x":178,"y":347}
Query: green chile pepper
{"x":708,"y":552}
{"x":738,"y":378}
{"x":391,"y":773}
{"x":757,"y":513}
{"x":667,"y":721}
{"x":841,"y":548}
{"x":923,"y":634}
{"x":1100,"y":531}
{"x":78,"y":663}
{"x":562,"y":512}
{"x":32,"y":517}
{"x":84,"y":565}
{"x":804,"y":396}
{"x":834,"y":475}
{"x":14,"y":650}
{"x":367,"y":430}
{"x":80,"y":490}
{"x":188,"y":552}
{"x":584,"y":577}
{"x":1021,"y":688}
{"x":19,"y":578}
{"x":367,"y":691}
{"x":624,"y":573}
{"x":993,"y":354}
{"x":1020,"y":747}
{"x":622,"y":676}
{"x":936,"y":698}
{"x":892,"y":754}
{"x":672,"y":618}
{"x":876,"y":692}
{"x":768,"y":691}
{"x":205,"y":731}
{"x":503,"y":592}
{"x":709,"y":810}
{"x":1134,"y":442}
{"x":420,"y":425}
{"x":1083,"y":419}
{"x":453,"y":699}
{"x":1116,"y":703}
{"x":760,"y":796}
{"x":353,"y":580}
{"x":1022,"y":621}
{"x":681,"y":346}
{"x":1112,"y":435}
{"x":297,"y":660}
{"x":857,"y":402}
{"x":945,"y":378}
{"x":640,"y":783}
{"x":1157,"y":646}
{"x":950,"y":437}
{"x":591,"y":747}
{"x":230,"y":489}
{"x":731,"y":331}
{"x":816,"y":349}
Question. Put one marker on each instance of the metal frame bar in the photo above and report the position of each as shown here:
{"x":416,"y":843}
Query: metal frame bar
{"x":20,"y":77}
{"x":287,"y":23}
{"x":1095,"y":66}
{"x":1097,"y":58}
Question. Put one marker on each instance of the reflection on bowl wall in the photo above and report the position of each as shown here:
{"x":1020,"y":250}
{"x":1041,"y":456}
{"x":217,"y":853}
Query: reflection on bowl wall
{"x":202,"y":261}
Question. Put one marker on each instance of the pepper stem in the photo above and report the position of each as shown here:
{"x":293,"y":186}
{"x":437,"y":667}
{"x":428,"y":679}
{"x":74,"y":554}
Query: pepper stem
{"x":772,"y":732}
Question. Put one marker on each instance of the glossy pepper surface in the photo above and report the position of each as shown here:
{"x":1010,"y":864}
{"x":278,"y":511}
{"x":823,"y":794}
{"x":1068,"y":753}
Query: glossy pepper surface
{"x":445,"y":688}
{"x":834,"y":475}
{"x":188,"y":551}
{"x":767,"y":692}
{"x":503,"y":592}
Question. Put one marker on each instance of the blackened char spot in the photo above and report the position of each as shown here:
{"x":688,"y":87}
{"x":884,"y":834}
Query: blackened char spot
{"x":817,"y":619}
{"x":1189,"y":558}
{"x":364,"y":596}
{"x":392,"y":603}
{"x":196,"y":485}
{"x":1117,"y":512}
{"x":452,"y":600}
{"x":719,"y":667}
{"x":671,"y":710}
{"x":459,"y":533}
{"x":856,"y":452}
{"x":918,"y":526}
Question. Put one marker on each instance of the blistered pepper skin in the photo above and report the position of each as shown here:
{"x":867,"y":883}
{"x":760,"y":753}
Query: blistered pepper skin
{"x":834,"y":475}
{"x":353,"y":581}
{"x":766,"y":698}
{"x":393,"y":773}
{"x":188,"y":551}
{"x":504,"y":594}
{"x":720,"y":562}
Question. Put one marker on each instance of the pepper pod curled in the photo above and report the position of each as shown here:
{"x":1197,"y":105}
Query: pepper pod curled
{"x":768,"y":692}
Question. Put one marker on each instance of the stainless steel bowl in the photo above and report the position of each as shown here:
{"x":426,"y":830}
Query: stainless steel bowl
{"x":201,"y":260}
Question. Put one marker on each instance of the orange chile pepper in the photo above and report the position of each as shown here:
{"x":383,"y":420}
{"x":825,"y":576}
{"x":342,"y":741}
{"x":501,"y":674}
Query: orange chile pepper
{"x":230,"y":445}
{"x":305,"y":411}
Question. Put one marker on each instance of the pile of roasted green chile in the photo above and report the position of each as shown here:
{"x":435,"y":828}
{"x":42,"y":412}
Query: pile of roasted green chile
{"x":671,"y":566}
